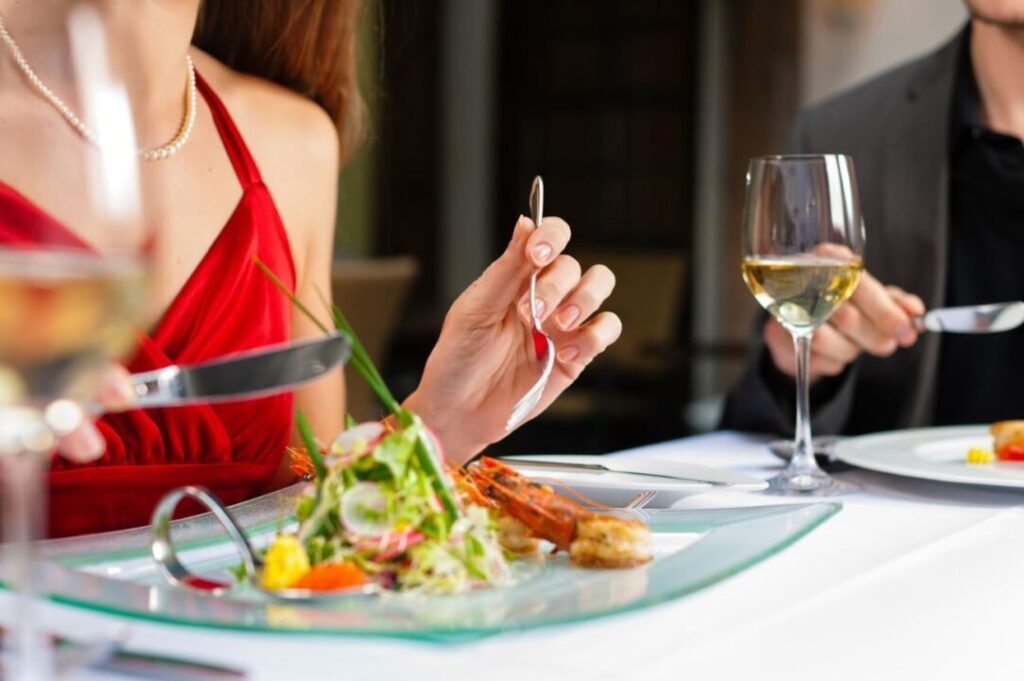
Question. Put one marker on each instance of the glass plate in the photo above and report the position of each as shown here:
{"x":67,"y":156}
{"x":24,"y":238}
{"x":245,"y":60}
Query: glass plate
{"x":113,"y":573}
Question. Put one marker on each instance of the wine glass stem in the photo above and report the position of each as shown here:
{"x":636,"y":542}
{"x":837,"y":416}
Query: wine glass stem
{"x":803,"y":449}
{"x":22,"y":494}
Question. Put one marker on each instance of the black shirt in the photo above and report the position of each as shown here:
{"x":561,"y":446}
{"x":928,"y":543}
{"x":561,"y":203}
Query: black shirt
{"x":981,"y":378}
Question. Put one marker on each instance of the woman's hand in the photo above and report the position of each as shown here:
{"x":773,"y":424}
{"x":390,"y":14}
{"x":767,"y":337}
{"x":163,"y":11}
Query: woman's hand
{"x":877,"y":319}
{"x":484,"y":360}
{"x":78,"y":439}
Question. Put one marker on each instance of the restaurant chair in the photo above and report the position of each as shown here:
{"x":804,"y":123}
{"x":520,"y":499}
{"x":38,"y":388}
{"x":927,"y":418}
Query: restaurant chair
{"x":637,"y":388}
{"x":372,"y":294}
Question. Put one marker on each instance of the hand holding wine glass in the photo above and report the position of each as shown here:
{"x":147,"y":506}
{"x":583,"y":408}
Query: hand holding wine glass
{"x":803,"y":243}
{"x":877,"y":320}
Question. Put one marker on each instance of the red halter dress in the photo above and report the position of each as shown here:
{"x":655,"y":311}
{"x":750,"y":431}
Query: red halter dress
{"x":226,"y":305}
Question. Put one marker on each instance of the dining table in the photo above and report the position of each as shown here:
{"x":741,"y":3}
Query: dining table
{"x":911,"y":579}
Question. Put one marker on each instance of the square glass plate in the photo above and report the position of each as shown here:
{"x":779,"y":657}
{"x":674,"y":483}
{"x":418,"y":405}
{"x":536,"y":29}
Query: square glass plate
{"x":113,"y":573}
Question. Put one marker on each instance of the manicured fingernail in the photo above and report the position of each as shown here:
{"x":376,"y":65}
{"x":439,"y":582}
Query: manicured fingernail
{"x":542,"y":253}
{"x":567,"y":316}
{"x":568,"y":354}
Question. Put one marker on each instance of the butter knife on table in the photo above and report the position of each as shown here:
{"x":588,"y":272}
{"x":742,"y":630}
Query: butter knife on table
{"x":628,"y":467}
{"x":990,"y":318}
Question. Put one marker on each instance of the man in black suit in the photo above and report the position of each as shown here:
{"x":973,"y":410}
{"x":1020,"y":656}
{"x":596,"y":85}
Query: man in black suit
{"x":938,"y":153}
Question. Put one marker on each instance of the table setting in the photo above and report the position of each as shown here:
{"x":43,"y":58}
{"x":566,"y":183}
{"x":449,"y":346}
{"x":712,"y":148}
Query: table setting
{"x":705,"y":557}
{"x":907,"y":574}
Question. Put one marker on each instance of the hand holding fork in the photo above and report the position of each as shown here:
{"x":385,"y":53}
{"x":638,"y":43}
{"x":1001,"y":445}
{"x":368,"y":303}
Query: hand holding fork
{"x":482,"y":365}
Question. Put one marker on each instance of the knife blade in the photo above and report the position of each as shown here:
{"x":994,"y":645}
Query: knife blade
{"x":246,"y":375}
{"x":629,"y":469}
{"x":991,"y":318}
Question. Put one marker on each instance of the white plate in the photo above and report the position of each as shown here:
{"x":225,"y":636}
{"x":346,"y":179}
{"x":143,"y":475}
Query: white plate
{"x":617,"y":488}
{"x":930,"y":454}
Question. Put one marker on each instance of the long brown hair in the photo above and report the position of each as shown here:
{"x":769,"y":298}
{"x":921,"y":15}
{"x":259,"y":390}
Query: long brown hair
{"x":305,"y":45}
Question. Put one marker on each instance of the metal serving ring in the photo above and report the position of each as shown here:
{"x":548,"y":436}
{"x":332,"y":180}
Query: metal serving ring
{"x":162,"y":547}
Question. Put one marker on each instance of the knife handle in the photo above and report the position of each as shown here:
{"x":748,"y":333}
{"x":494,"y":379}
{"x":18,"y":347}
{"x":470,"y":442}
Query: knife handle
{"x":157,"y":387}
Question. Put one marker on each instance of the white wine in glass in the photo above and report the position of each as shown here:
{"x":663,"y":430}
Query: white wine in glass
{"x":803,"y":245}
{"x":801,"y":291}
{"x":63,"y":315}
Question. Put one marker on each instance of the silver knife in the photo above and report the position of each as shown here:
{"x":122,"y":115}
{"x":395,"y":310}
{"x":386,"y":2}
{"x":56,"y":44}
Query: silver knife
{"x":601,"y":468}
{"x":254,"y":373}
{"x":991,"y":318}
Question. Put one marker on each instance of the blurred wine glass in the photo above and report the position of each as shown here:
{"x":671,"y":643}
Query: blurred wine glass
{"x":803,"y":243}
{"x":74,"y":255}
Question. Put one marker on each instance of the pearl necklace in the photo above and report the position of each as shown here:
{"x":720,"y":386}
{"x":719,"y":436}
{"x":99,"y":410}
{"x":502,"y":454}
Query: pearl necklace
{"x":158,"y":154}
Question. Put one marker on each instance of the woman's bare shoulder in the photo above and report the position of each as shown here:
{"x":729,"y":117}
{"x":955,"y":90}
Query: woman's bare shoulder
{"x":294,"y":143}
{"x":276,"y":118}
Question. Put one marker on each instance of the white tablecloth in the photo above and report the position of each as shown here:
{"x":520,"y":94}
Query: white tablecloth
{"x":911,"y":580}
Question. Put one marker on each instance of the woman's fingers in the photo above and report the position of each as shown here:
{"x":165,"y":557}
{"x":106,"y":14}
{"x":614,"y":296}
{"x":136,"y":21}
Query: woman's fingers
{"x":116,"y":392}
{"x":566,"y":298}
{"x":502,"y":283}
{"x":83,"y":444}
{"x":78,"y":439}
{"x":547,"y":241}
{"x":553,"y":283}
{"x":575,"y":350}
{"x":594,"y":287}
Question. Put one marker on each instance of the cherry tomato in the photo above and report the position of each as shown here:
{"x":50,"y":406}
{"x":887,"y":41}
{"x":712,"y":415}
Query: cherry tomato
{"x":1011,"y":452}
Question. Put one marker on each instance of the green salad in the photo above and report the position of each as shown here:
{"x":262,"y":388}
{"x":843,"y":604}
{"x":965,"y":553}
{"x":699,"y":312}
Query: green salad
{"x":374,"y":515}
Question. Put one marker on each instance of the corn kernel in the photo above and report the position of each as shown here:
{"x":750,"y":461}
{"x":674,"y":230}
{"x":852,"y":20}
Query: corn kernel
{"x":979,"y":456}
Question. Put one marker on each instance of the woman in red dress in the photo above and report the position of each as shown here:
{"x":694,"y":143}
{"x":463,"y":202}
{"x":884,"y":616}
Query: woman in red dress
{"x":278,"y":113}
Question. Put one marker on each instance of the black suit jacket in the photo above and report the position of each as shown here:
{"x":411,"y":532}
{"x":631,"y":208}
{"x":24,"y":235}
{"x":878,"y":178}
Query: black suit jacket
{"x":896,"y":128}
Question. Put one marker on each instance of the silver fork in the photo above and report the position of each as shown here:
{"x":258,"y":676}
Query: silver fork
{"x":542,"y":344}
{"x":640,"y":500}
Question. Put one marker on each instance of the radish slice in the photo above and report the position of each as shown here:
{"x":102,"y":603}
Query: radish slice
{"x":358,"y":439}
{"x":363,"y":510}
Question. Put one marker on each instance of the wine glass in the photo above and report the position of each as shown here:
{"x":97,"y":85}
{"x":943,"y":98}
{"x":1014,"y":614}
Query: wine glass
{"x":74,"y":245}
{"x":803,"y":245}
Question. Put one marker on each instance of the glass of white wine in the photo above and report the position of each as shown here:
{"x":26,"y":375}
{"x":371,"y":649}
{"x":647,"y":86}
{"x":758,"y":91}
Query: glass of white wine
{"x":74,"y":247}
{"x":803,"y":246}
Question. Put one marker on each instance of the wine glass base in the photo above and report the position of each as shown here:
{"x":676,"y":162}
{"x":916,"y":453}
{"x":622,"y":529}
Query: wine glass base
{"x":808,"y":484}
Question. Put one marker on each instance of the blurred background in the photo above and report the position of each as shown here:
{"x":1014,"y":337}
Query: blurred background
{"x":641,"y":116}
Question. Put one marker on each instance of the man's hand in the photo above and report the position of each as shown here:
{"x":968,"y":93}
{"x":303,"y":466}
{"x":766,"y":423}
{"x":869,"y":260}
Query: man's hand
{"x":877,"y":319}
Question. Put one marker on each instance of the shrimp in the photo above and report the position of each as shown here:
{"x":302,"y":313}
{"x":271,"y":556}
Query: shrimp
{"x":591,"y":539}
{"x":513,"y":535}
